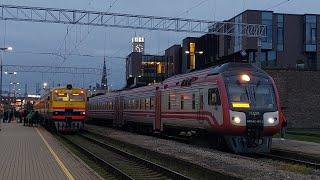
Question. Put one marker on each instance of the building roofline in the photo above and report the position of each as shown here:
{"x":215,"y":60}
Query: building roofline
{"x":257,"y":10}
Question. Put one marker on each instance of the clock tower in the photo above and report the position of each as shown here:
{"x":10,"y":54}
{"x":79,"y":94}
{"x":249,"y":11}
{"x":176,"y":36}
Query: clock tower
{"x":138,"y":44}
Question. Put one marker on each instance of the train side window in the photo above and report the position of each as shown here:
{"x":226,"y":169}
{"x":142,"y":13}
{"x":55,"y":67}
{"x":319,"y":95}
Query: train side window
{"x":142,"y":103}
{"x":214,"y":97}
{"x":182,"y":102}
{"x":169,"y":101}
{"x":147,"y":103}
{"x":201,"y":102}
{"x":193,"y":101}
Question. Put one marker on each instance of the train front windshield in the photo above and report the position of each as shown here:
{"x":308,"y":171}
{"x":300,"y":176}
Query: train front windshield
{"x":251,"y":96}
{"x":77,"y":97}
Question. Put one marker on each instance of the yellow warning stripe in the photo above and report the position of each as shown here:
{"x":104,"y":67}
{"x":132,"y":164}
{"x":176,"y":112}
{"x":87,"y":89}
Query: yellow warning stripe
{"x":62,"y":166}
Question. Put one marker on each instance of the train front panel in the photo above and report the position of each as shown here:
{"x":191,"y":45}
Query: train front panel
{"x":68,"y":108}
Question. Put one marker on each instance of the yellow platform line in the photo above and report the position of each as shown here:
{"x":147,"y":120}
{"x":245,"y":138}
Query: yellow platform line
{"x":60,"y":163}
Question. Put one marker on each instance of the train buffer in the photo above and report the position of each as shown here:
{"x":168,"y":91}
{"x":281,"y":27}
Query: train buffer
{"x":33,"y":153}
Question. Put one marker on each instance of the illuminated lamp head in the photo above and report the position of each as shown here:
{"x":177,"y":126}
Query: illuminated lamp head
{"x":245,"y":78}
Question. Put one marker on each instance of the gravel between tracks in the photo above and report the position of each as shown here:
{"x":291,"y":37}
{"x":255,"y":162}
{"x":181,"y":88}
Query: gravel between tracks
{"x":243,"y":167}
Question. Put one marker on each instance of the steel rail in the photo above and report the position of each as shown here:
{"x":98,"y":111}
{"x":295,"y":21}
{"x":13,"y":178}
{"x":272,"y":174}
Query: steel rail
{"x":108,"y":166}
{"x":154,"y":166}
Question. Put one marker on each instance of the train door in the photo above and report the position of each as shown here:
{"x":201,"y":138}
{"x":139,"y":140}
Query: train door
{"x":157,"y":124}
{"x":200,"y":105}
{"x":214,"y":103}
{"x":121,"y":107}
{"x":116,"y":113}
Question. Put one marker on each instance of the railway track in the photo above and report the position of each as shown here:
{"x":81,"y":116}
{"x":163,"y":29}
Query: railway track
{"x":275,"y":154}
{"x":290,"y":157}
{"x":120,"y":163}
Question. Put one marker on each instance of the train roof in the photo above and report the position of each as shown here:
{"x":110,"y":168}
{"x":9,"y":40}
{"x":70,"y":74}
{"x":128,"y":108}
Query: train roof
{"x":235,"y":66}
{"x":223,"y":68}
{"x":226,"y":68}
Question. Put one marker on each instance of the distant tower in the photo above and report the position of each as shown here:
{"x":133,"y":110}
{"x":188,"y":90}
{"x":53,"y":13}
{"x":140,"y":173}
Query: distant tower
{"x":26,"y":90}
{"x":104,"y":81}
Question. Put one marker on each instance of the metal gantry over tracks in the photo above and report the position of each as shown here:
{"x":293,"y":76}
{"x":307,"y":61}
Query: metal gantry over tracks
{"x":51,"y":69}
{"x":106,"y":19}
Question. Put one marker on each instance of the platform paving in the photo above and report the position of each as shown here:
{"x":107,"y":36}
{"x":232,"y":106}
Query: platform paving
{"x":27,"y":153}
{"x":301,"y":147}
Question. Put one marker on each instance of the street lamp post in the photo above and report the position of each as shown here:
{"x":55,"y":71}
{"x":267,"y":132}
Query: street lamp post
{"x":11,"y":80}
{"x":1,"y":66}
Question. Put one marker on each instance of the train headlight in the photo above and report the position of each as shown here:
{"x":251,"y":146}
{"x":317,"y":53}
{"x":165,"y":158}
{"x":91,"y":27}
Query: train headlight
{"x":236,"y":119}
{"x":271,"y":120}
{"x":245,"y":77}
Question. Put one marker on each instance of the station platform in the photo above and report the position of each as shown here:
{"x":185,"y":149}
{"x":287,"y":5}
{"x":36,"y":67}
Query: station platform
{"x":30,"y":153}
{"x":300,"y":147}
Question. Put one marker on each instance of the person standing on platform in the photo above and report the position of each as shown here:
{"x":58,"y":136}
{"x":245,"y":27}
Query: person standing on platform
{"x":29,"y":118}
{"x":35,"y":118}
{"x":20,"y":116}
{"x":5,"y":116}
{"x":11,"y":114}
{"x":24,"y":116}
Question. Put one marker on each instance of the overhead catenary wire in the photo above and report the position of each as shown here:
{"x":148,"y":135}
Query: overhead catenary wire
{"x":144,"y":33}
{"x":278,"y":4}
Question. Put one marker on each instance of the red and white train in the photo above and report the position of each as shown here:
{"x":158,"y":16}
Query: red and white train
{"x":235,"y":102}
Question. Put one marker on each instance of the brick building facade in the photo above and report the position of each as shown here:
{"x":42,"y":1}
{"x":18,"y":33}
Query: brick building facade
{"x":300,"y":96}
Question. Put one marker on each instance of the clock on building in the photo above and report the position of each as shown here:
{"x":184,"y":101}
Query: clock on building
{"x":138,"y":44}
{"x":139,"y":48}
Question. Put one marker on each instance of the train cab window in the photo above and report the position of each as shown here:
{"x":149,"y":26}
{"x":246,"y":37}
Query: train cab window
{"x":61,"y":97}
{"x":77,"y":97}
{"x":182,"y":102}
{"x":214,"y":97}
{"x":193,"y":101}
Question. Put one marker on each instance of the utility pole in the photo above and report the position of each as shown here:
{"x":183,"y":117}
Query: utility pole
{"x":3,"y":49}
{"x":26,"y":90}
{"x":258,"y":62}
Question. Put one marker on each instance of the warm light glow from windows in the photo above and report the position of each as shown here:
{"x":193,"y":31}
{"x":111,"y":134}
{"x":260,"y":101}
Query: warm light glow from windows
{"x":192,"y":55}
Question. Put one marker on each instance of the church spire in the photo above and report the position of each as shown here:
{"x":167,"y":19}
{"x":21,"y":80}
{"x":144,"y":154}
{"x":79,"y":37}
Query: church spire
{"x":104,"y":81}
